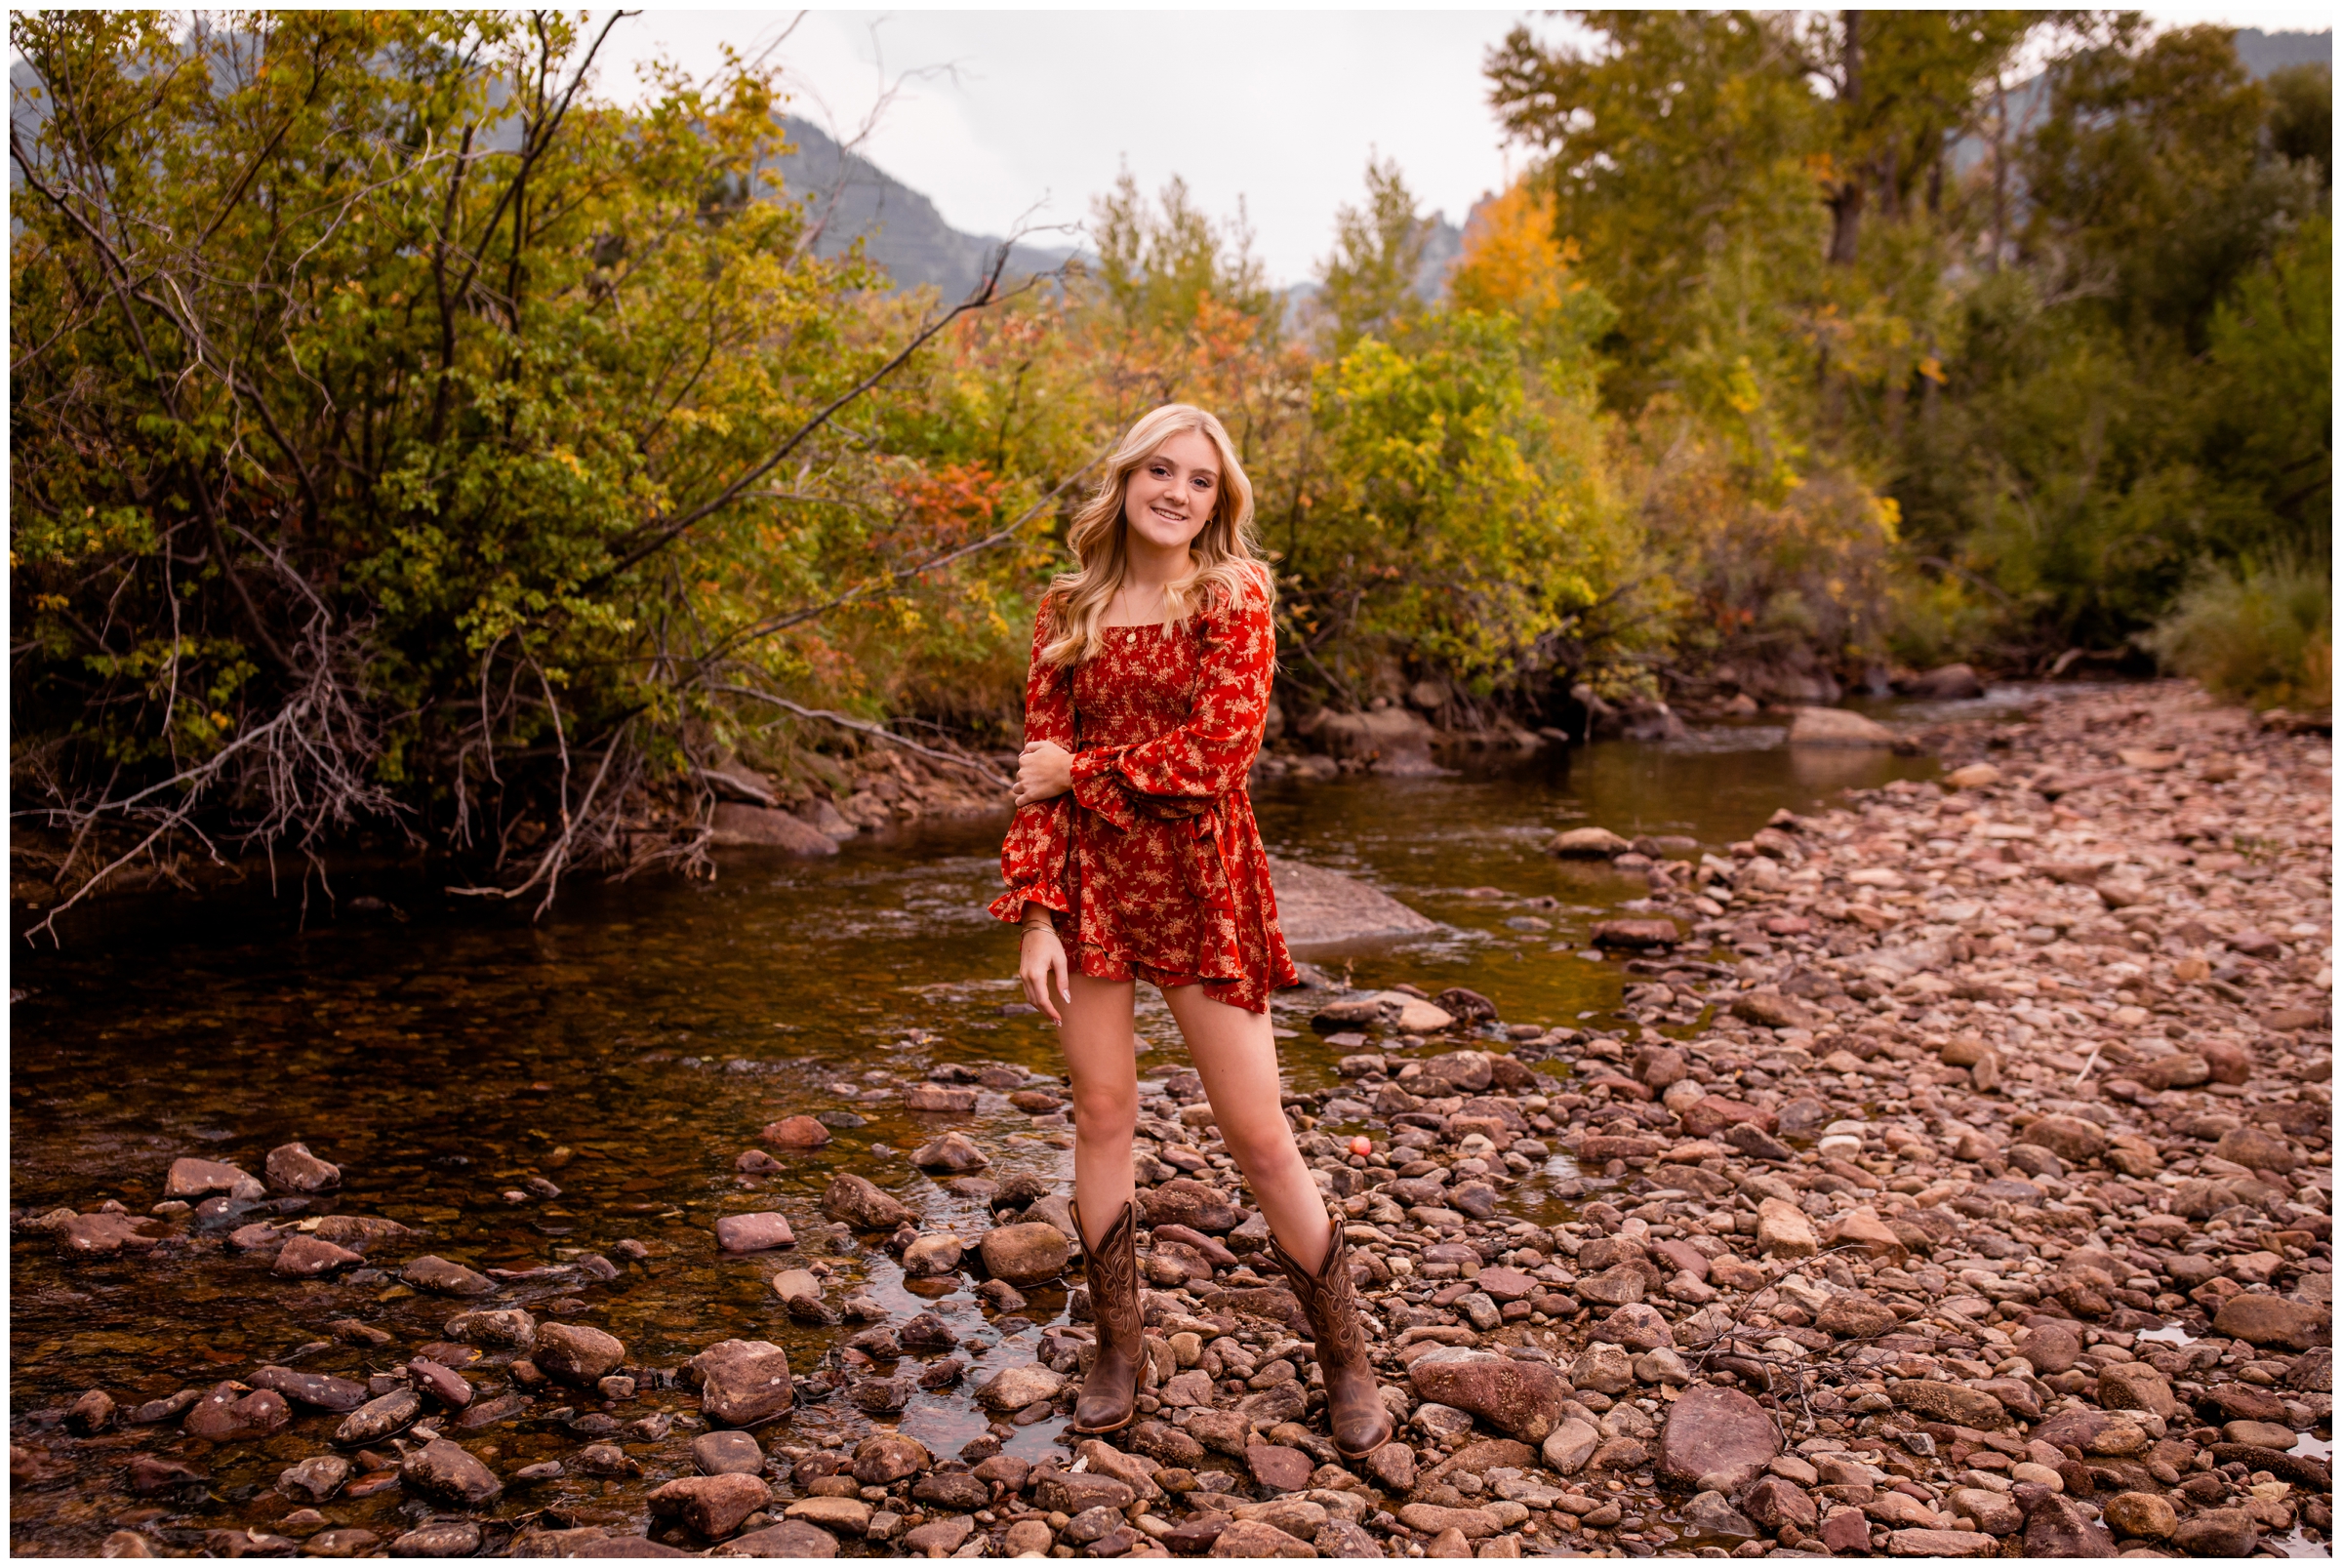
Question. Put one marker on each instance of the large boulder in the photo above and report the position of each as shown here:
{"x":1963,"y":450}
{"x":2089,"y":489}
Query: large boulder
{"x":1390,"y":740}
{"x":736,"y":826}
{"x":743,"y":1382}
{"x":1315,"y":906}
{"x":1588,"y":844}
{"x":1521,"y":1398}
{"x":1835,"y":726}
{"x":1946,"y":683}
{"x":1717,"y":1437}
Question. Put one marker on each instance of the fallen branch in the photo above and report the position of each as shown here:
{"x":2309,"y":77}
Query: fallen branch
{"x":864,"y":727}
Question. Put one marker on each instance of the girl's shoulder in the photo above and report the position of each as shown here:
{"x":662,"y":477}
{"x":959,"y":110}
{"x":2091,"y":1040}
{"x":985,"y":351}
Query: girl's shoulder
{"x":1251,"y":597}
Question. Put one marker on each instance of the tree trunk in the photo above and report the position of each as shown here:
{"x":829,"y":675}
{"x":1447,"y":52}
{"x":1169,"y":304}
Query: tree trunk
{"x":1845,"y":199}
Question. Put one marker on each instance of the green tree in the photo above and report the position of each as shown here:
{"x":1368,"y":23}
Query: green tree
{"x":402,"y":439}
{"x":1368,"y":284}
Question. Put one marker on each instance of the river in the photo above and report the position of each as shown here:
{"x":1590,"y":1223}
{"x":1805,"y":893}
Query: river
{"x":626,"y":1047}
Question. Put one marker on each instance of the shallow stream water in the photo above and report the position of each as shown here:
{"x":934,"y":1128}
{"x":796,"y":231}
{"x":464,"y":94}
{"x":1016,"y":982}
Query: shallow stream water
{"x":627,"y":1046}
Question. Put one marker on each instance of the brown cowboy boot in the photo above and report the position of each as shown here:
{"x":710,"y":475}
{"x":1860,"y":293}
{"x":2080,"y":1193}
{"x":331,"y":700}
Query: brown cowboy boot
{"x":1109,"y":1395}
{"x":1353,"y":1406}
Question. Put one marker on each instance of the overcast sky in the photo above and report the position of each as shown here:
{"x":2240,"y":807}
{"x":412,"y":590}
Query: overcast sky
{"x":1000,"y":115}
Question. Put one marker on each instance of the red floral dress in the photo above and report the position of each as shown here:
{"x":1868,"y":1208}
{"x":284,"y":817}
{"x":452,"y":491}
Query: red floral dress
{"x":1153,"y":865}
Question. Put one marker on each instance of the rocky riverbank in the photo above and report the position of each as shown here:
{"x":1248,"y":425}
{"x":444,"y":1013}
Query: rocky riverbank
{"x":1957,"y":1181}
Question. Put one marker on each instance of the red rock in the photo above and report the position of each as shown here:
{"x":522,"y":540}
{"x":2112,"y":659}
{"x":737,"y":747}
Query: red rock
{"x":2268,"y":1321}
{"x":1865,"y":1232}
{"x":859,"y":1202}
{"x":230,"y":1414}
{"x":192,"y":1178}
{"x":102,"y":1235}
{"x":797,"y":1132}
{"x":2055,"y":1526}
{"x":2070,"y":1138}
{"x":1638,"y":933}
{"x":304,"y":1256}
{"x":1279,"y":1468}
{"x":1716,"y":1432}
{"x":293,"y":1167}
{"x":1774,"y":1502}
{"x":1253,"y":1538}
{"x":937,"y":1097}
{"x":1711,"y":1114}
{"x":1597,"y":1149}
{"x":712,"y":1505}
{"x":753,"y":1233}
{"x":1191,"y":1203}
{"x":1505,"y":1284}
{"x":743,"y":1381}
{"x":1521,"y":1398}
{"x":1845,"y":1530}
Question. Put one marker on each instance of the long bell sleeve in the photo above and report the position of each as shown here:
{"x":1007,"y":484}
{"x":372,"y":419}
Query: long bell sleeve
{"x":1036,"y":856}
{"x":1185,"y":772}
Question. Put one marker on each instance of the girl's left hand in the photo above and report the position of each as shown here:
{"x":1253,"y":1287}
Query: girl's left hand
{"x":1044,"y":771}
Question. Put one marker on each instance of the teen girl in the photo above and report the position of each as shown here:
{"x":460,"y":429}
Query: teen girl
{"x":1134,"y":856}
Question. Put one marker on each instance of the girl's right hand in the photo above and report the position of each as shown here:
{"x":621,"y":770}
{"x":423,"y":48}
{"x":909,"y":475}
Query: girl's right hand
{"x":1043,"y":961}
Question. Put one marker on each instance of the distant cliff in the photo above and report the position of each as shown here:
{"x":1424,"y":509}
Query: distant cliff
{"x":901,"y":229}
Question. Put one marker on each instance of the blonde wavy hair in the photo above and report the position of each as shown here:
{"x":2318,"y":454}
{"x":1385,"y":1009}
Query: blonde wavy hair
{"x":1228,"y":556}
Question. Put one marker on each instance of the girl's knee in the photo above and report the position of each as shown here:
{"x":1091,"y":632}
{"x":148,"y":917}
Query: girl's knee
{"x":1105,"y":1112}
{"x":1257,"y":1144}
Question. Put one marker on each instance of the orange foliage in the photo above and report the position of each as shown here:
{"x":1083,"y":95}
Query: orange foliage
{"x":1511,"y":260}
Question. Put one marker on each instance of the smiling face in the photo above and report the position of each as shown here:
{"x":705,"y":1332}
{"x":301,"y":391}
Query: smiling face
{"x":1171,"y":496}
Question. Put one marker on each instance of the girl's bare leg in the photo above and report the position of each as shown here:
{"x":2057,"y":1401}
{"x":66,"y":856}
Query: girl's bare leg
{"x":1236,"y":1056}
{"x":1096,"y":1036}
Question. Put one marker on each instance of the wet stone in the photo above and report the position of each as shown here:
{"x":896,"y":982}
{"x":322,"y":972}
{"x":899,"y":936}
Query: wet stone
{"x":575,"y":1354}
{"x":230,"y":1413}
{"x":441,"y":1277}
{"x":191,"y":1178}
{"x":378,"y":1419}
{"x":858,"y":1202}
{"x":448,"y":1473}
{"x":292,"y":1168}
{"x":753,"y":1233}
{"x":727,"y":1453}
{"x":313,"y":1389}
{"x":440,"y":1538}
{"x":743,"y":1382}
{"x":306,"y":1257}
